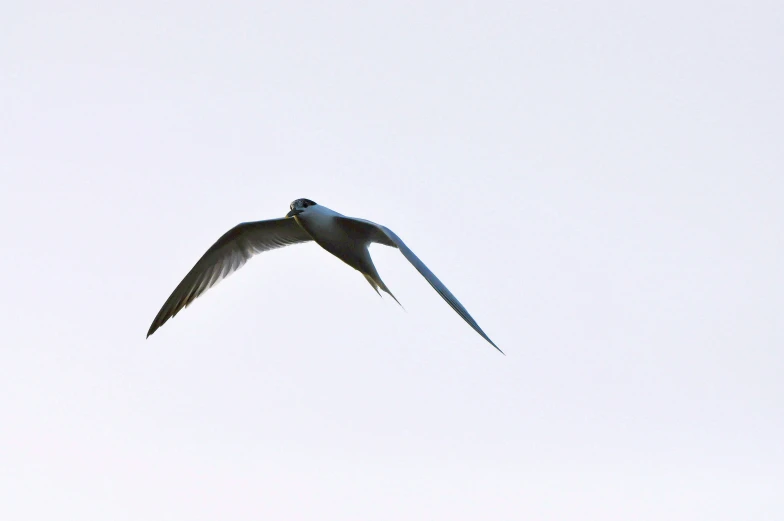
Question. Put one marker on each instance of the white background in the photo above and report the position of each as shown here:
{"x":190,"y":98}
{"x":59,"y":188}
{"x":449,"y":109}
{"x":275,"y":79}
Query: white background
{"x":600,"y":184}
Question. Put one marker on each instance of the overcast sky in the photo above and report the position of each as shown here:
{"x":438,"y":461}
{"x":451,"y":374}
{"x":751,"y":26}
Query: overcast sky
{"x":600,"y":184}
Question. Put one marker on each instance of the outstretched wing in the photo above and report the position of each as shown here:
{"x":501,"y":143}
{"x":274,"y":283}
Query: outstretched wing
{"x":226,"y":256}
{"x":383,"y":235}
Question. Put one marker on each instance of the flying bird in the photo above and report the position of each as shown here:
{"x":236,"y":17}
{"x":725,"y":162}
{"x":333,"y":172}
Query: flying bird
{"x":347,"y":238}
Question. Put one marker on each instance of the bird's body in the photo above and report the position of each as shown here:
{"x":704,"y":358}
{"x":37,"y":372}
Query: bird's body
{"x":327,"y":229}
{"x":344,"y":237}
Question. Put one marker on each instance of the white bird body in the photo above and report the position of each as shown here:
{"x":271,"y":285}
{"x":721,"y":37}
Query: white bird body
{"x":347,"y":238}
{"x":321,"y":223}
{"x":326,"y":228}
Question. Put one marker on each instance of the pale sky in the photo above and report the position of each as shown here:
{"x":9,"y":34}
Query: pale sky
{"x":599,"y":183}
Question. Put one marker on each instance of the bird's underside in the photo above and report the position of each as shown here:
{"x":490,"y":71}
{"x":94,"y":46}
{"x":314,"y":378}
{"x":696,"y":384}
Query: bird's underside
{"x":345,"y":237}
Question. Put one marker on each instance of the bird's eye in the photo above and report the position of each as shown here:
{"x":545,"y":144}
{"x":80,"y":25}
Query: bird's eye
{"x":304,"y":205}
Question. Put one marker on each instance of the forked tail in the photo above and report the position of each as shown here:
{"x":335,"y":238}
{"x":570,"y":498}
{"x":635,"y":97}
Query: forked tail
{"x":376,"y":282}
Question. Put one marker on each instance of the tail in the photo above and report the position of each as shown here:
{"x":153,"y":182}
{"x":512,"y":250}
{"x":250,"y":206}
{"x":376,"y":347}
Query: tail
{"x":372,"y":283}
{"x":366,"y":267}
{"x":376,"y":282}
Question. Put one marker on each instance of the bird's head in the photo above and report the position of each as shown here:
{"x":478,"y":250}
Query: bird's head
{"x":299,"y":206}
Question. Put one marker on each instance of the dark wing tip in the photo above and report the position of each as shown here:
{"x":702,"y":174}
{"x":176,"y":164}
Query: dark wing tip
{"x":493,"y":344}
{"x":476,"y":328}
{"x":153,"y":328}
{"x":163,"y":316}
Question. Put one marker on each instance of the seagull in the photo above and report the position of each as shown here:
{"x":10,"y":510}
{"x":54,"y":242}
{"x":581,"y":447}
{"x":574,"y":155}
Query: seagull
{"x":347,"y":238}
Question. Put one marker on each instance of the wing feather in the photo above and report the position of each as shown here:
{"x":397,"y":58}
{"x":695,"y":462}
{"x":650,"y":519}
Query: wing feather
{"x":381,"y":234}
{"x":227,"y":255}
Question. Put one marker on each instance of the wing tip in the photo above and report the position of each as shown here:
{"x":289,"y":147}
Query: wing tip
{"x":150,"y":331}
{"x":156,"y":325}
{"x":493,"y":344}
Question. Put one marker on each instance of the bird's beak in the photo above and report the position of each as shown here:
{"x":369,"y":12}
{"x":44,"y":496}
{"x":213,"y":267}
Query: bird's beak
{"x":292,"y":213}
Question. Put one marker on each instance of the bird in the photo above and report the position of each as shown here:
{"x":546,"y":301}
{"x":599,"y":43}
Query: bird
{"x":347,"y":238}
